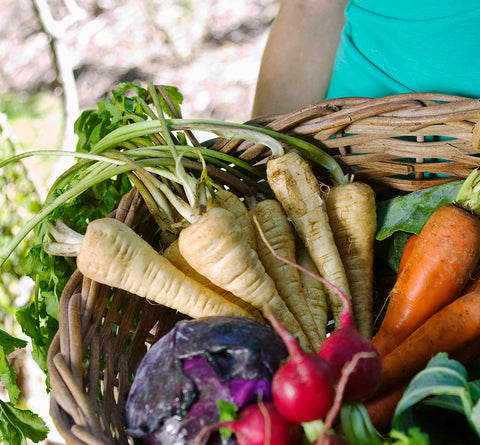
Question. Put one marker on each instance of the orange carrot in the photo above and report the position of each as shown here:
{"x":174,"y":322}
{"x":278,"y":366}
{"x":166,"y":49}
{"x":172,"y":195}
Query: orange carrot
{"x":473,"y":282}
{"x":382,"y":408}
{"x":468,"y":352}
{"x":448,"y":330}
{"x":436,"y":271}
{"x":407,"y":250}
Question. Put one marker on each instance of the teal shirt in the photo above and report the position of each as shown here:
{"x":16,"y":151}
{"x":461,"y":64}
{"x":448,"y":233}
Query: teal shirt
{"x":403,"y":46}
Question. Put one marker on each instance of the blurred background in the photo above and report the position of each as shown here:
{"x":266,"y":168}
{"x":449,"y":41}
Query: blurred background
{"x":59,"y":57}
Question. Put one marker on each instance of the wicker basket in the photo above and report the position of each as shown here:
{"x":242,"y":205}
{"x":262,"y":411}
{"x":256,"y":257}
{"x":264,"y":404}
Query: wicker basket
{"x":104,"y":333}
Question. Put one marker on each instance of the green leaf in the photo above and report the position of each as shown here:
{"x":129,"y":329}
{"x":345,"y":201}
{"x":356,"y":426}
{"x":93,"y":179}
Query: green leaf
{"x":441,"y":376}
{"x":475,"y":417}
{"x":357,"y":427}
{"x":228,"y":412}
{"x":415,"y":436}
{"x":442,"y":384}
{"x":409,"y":212}
{"x":9,"y":343}
{"x":8,"y":377}
{"x":16,"y":425}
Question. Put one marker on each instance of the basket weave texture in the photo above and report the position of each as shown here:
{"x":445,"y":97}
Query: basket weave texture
{"x":104,"y":333}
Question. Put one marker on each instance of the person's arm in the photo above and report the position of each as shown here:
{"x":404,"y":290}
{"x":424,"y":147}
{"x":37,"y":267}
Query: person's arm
{"x":298,"y":59}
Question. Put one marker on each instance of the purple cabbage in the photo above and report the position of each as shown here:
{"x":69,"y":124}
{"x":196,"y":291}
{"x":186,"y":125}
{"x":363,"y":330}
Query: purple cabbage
{"x":198,"y":363}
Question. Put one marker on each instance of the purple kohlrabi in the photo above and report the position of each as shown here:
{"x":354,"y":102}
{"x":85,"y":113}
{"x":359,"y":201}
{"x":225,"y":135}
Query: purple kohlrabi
{"x":200,"y":362}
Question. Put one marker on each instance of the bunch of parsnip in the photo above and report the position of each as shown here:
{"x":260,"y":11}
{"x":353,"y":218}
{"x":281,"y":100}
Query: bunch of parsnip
{"x":222,"y":263}
{"x":218,"y":263}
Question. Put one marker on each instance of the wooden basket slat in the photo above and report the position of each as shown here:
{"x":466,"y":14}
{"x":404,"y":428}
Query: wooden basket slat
{"x":364,"y":131}
{"x":104,"y":332}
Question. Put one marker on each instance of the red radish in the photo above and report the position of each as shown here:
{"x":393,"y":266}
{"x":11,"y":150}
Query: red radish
{"x":259,"y":424}
{"x":303,"y":388}
{"x":342,"y":345}
{"x":325,"y":437}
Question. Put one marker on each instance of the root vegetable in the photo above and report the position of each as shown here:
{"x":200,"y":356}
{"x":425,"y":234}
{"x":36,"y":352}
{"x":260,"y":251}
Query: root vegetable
{"x":438,"y":268}
{"x":113,"y":254}
{"x":448,"y":330}
{"x":215,"y":247}
{"x":297,"y":189}
{"x":259,"y":424}
{"x":340,"y":348}
{"x":234,"y":204}
{"x":407,"y":250}
{"x":314,"y":291}
{"x":279,"y":233}
{"x":172,"y":254}
{"x":353,"y":219}
{"x":303,"y":388}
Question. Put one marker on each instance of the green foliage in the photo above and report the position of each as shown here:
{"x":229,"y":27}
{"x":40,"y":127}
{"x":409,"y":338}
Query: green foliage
{"x":16,"y":425}
{"x":18,"y":202}
{"x":443,"y":390}
{"x":409,"y":212}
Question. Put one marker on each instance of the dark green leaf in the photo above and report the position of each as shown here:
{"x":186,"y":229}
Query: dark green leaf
{"x":409,"y":212}
{"x":442,"y":384}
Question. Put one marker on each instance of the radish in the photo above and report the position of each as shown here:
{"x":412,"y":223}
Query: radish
{"x":340,"y":348}
{"x":259,"y":424}
{"x":303,"y":388}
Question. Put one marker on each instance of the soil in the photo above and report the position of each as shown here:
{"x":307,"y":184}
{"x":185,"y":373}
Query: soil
{"x":210,"y":50}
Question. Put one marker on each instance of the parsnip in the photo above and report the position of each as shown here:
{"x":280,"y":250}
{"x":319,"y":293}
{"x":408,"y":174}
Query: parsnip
{"x":280,"y":235}
{"x":215,"y":246}
{"x":297,"y":189}
{"x":315,"y":292}
{"x":353,"y":219}
{"x":172,"y":254}
{"x":235,"y":205}
{"x":113,"y":254}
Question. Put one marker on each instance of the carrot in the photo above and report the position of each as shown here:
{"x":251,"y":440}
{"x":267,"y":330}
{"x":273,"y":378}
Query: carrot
{"x":353,"y":218}
{"x":214,"y":246}
{"x":297,"y":189}
{"x":407,"y":250}
{"x":382,"y":408}
{"x":280,"y":235}
{"x":473,"y":282}
{"x":448,"y":331}
{"x":234,"y":204}
{"x":113,"y":254}
{"x":467,"y":352}
{"x":172,"y":254}
{"x":314,"y":291}
{"x":442,"y":260}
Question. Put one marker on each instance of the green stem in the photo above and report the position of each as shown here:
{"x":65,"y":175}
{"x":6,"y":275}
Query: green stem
{"x":468,"y":196}
{"x":150,"y":182}
{"x":28,"y":154}
{"x":260,"y":135}
{"x":181,"y":172}
{"x":76,"y":190}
